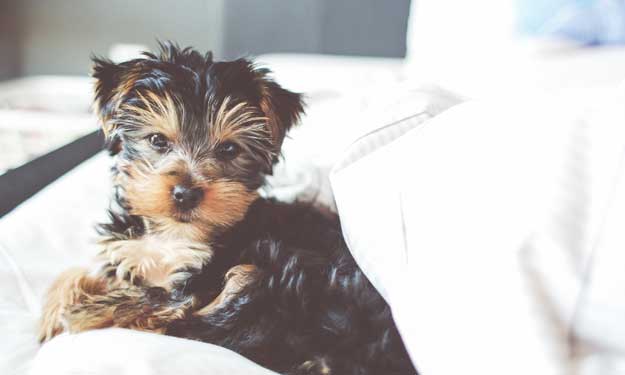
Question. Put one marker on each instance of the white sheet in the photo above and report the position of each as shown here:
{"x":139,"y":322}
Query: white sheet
{"x":125,"y":352}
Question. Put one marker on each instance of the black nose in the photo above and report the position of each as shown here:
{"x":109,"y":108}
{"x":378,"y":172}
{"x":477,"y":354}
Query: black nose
{"x":187,"y":198}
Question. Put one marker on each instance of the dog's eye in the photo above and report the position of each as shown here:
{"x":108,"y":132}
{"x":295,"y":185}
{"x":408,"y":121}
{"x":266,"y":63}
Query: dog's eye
{"x":227,"y":151}
{"x":159,"y":142}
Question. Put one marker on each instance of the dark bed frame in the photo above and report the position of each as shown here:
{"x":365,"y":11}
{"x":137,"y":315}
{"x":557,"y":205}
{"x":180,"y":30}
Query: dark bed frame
{"x":21,"y":183}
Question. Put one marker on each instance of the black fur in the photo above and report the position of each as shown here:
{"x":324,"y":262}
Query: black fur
{"x":312,"y":300}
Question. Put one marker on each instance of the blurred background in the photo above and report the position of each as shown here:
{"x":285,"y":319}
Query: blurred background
{"x":324,"y":46}
{"x":57,"y":36}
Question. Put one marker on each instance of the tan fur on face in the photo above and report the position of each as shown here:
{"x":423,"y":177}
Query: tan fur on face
{"x":148,"y":191}
{"x":231,"y":121}
{"x":68,"y":289}
{"x":225,"y":202}
{"x":160,"y":115}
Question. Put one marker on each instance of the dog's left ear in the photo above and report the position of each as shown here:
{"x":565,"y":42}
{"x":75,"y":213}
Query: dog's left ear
{"x":282,"y":107}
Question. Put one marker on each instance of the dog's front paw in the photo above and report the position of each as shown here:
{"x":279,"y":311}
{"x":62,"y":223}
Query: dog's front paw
{"x":155,"y":261}
{"x":236,"y":279}
{"x":67,"y":290}
{"x":100,"y":311}
{"x":145,"y":309}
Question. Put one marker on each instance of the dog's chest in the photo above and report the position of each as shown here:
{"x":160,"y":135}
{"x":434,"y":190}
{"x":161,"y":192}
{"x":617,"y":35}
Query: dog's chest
{"x":155,"y":260}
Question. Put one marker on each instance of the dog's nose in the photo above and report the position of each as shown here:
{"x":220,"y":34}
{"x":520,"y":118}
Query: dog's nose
{"x":186,"y":197}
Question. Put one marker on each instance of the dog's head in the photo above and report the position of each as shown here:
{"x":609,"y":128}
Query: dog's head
{"x":194,"y":138}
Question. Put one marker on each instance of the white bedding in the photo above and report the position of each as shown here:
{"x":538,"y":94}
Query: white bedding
{"x":482,"y":238}
{"x":496,"y":235}
{"x":124,"y":352}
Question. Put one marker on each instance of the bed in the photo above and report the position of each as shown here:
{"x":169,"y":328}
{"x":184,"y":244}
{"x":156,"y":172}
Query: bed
{"x":499,"y":248}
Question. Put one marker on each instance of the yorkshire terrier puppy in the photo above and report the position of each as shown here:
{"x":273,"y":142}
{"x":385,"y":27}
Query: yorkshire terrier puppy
{"x":191,"y":249}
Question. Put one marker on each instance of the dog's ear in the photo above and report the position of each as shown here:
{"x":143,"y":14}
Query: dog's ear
{"x":108,"y":78}
{"x":282,"y":107}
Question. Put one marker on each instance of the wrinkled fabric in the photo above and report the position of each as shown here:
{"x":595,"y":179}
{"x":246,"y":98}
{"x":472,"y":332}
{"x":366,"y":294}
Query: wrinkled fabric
{"x":480,"y":229}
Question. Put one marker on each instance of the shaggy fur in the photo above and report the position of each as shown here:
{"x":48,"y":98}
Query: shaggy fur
{"x":192,"y":251}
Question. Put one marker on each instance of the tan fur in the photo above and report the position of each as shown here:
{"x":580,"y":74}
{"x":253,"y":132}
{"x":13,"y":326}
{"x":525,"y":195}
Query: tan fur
{"x":148,"y":190}
{"x":129,"y":307}
{"x":68,"y":289}
{"x":157,"y":260}
{"x":107,"y":126}
{"x":236,"y":279}
{"x":225,"y":202}
{"x":149,"y":193}
{"x":228,"y":123}
{"x":160,"y":114}
{"x":316,"y":366}
{"x":78,"y":301}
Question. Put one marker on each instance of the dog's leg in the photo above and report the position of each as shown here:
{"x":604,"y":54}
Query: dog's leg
{"x":236,"y":279}
{"x":214,"y":323}
{"x":68,"y":289}
{"x":141,"y":308}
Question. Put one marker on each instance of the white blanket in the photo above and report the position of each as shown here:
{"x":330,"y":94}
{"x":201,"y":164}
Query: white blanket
{"x":480,"y":228}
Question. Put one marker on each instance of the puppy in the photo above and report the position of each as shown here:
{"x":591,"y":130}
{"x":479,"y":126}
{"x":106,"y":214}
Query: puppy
{"x":191,"y":249}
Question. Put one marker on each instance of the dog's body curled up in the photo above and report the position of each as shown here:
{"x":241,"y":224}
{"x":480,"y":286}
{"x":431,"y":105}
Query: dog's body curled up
{"x":191,"y":249}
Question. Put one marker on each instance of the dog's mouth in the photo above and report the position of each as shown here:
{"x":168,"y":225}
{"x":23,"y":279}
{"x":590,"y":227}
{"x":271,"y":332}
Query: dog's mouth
{"x":183,"y":216}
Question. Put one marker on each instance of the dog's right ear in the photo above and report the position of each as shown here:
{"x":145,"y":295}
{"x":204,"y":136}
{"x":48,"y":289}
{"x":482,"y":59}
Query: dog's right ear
{"x":108,"y":77}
